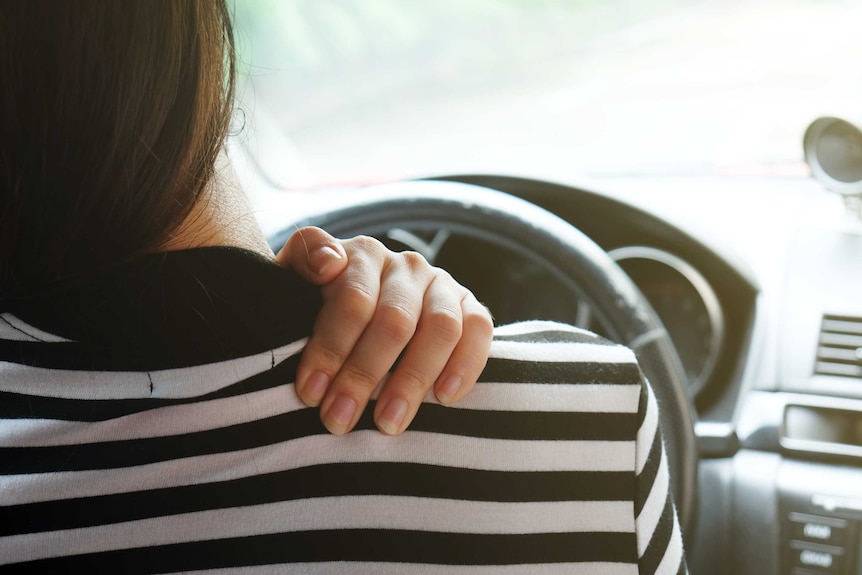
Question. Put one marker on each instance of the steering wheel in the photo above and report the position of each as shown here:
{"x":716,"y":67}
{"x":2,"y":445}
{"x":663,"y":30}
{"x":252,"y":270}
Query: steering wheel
{"x":566,"y":253}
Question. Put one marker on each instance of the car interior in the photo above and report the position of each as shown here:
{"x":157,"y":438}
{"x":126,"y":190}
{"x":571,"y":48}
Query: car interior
{"x":682,"y":176}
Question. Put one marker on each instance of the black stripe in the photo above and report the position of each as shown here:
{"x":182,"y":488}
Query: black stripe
{"x":661,"y":539}
{"x":527,"y":425}
{"x":18,"y":405}
{"x":114,"y":454}
{"x":683,"y":568}
{"x":75,"y":356}
{"x":643,"y":402}
{"x":306,"y":422}
{"x":352,"y":545}
{"x":647,"y":476}
{"x":555,"y":336}
{"x":57,"y":355}
{"x":514,"y":371}
{"x":327,"y":480}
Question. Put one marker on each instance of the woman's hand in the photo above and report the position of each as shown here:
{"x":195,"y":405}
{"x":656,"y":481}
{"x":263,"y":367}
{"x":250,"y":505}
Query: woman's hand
{"x":378,"y":303}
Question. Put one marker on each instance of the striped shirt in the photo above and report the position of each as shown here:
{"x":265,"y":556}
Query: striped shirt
{"x":148,"y":424}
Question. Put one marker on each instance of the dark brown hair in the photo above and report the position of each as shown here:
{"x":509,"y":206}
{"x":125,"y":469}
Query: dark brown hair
{"x":112,"y":114}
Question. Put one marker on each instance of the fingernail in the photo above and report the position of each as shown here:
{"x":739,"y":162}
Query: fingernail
{"x":321,"y":258}
{"x":392,"y":416}
{"x":449,"y":388}
{"x":315,"y":388}
{"x":340,"y":414}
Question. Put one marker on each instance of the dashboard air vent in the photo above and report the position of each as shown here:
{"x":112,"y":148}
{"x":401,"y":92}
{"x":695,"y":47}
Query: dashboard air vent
{"x":839,"y":350}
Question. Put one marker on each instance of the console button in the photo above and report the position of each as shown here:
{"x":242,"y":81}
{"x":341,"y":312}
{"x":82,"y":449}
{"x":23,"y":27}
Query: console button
{"x":823,"y":530}
{"x":818,"y":558}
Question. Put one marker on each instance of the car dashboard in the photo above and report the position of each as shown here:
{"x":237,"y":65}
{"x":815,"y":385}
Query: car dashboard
{"x":780,"y":416}
{"x":757,"y":282}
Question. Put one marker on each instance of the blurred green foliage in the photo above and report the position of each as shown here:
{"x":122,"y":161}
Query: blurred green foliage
{"x":307,"y":35}
{"x":321,"y":55}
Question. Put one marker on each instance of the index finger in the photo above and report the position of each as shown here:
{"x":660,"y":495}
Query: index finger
{"x":350,"y":302}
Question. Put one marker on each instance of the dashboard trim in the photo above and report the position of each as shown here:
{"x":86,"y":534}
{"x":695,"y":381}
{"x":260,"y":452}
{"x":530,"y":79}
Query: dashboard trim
{"x":705,"y":292}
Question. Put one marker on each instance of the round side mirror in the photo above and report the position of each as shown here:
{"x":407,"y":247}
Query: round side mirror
{"x":833,"y":150}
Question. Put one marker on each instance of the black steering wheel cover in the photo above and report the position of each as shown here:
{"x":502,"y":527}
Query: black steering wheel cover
{"x":575,"y":260}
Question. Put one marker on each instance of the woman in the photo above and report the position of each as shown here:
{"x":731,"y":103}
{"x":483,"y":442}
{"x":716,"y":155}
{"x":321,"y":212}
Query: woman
{"x":149,"y":419}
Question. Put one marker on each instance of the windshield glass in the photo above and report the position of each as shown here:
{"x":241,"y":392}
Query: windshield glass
{"x":360,"y":90}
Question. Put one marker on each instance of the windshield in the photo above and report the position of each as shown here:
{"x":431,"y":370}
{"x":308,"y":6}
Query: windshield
{"x":360,"y":90}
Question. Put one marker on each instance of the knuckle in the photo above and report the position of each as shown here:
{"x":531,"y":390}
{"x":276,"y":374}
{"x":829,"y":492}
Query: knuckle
{"x":480,"y":322}
{"x":445,"y":323}
{"x":357,"y":378}
{"x":356,"y":303}
{"x":396,"y":322}
{"x":412,"y":381}
{"x":331,"y":357}
{"x":358,"y":294}
{"x":414,"y":260}
{"x":444,"y":276}
{"x":367,"y":244}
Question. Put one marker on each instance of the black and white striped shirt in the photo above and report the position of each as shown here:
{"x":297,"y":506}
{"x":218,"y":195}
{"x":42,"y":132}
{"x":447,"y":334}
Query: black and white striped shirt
{"x":148,"y":425}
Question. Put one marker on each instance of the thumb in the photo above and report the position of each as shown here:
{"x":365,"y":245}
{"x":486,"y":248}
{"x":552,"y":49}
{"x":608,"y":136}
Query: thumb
{"x":314,"y":254}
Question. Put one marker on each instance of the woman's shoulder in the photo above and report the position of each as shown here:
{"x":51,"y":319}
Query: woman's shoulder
{"x":552,"y":352}
{"x":544,"y":340}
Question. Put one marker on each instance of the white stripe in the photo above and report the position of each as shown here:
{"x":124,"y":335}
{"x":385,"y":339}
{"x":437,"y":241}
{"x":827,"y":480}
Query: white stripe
{"x":40,"y":381}
{"x":200,"y":380}
{"x":170,"y":383}
{"x":587,"y":398}
{"x":561,"y":352}
{"x":371,"y":568}
{"x":647,"y":431}
{"x":673,"y":554}
{"x":212,"y":414}
{"x":649,"y":517}
{"x":538,"y":326}
{"x":371,"y":512}
{"x":358,"y":446}
{"x":12,"y":328}
{"x":161,"y":422}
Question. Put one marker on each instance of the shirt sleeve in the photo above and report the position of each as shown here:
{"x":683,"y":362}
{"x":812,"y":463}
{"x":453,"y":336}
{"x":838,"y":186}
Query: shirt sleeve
{"x":659,"y":538}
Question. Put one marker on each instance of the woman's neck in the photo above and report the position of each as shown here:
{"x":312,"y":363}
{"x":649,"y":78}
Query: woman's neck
{"x":221,"y":217}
